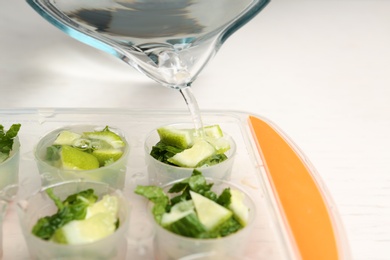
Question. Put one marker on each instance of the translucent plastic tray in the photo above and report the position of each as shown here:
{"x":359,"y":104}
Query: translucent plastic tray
{"x":289,"y":195}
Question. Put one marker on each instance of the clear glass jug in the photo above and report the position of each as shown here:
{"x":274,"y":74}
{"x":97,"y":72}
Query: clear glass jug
{"x":168,"y":40}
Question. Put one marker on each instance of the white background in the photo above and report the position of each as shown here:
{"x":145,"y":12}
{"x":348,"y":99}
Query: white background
{"x":318,"y":69}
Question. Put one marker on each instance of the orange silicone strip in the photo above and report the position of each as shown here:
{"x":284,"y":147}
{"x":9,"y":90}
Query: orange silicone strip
{"x":301,"y":201}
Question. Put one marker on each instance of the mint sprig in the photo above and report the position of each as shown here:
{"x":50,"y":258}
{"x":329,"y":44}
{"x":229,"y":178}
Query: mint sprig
{"x":189,"y":225}
{"x":7,"y":140}
{"x":74,"y":207}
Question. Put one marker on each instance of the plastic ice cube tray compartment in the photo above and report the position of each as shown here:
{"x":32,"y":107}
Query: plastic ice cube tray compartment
{"x":296,"y":217}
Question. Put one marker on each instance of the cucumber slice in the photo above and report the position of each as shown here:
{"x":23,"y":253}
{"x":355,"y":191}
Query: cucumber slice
{"x":240,"y":210}
{"x":178,"y":211}
{"x":210,"y":213}
{"x":214,"y":131}
{"x":221,"y":144}
{"x":87,"y":230}
{"x":181,"y":138}
{"x":214,"y":135}
{"x":191,"y":157}
{"x":197,"y":150}
{"x":185,"y":138}
{"x":100,"y":221}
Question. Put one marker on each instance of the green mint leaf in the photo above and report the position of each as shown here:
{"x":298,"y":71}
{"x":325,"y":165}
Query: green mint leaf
{"x":59,"y":204}
{"x":212,"y":160}
{"x":179,"y":186}
{"x":74,"y":207}
{"x":7,"y":140}
{"x":152,"y":193}
{"x":157,"y":196}
{"x":53,"y":152}
{"x":228,"y":227}
{"x":197,"y":183}
{"x":224,"y":198}
{"x":13,"y":131}
{"x":189,"y":226}
{"x":79,"y":202}
{"x":46,"y":226}
{"x":163,"y":152}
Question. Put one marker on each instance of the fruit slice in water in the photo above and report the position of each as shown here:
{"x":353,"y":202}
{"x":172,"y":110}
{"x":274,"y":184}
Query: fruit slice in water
{"x":100,"y":221}
{"x":178,"y":211}
{"x":191,"y":157}
{"x":108,"y":136}
{"x":185,"y":138}
{"x":214,"y":135}
{"x":108,"y":204}
{"x":181,"y":138}
{"x":210,"y":213}
{"x":107,"y":156}
{"x":74,"y":159}
{"x":214,"y":131}
{"x":66,"y":138}
{"x":240,"y":210}
{"x":86,"y":231}
{"x":221,"y":144}
{"x":199,"y":151}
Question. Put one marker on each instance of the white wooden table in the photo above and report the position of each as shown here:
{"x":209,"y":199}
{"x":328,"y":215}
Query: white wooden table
{"x":318,"y":69}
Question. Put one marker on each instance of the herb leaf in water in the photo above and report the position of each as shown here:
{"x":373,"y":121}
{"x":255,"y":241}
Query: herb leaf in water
{"x":73,"y":207}
{"x":183,"y":220}
{"x":7,"y":140}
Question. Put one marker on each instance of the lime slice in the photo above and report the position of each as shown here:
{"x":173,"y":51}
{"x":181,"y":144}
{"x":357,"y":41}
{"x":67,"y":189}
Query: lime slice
{"x":86,"y":231}
{"x":191,"y":157}
{"x":107,"y":156}
{"x":66,"y":138}
{"x":240,"y":210}
{"x":82,"y":144}
{"x":178,"y":211}
{"x":74,"y":159}
{"x":210,"y":213}
{"x":100,"y":144}
{"x":108,"y":136}
{"x":181,"y":138}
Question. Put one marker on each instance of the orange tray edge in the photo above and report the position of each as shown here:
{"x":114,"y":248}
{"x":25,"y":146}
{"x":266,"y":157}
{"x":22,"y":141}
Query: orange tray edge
{"x":302,"y":203}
